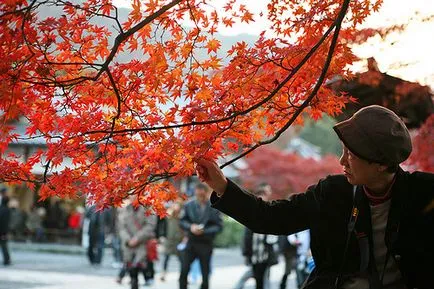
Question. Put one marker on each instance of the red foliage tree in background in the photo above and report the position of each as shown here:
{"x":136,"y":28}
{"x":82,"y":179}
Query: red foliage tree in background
{"x":287,"y":173}
{"x":422,"y":156}
{"x":128,"y":126}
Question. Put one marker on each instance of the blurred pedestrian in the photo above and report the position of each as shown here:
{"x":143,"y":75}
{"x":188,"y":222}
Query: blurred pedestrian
{"x":34,"y":224}
{"x":5,"y":216}
{"x":75,"y":220}
{"x":97,"y":226}
{"x":151,"y":258}
{"x":116,"y":239}
{"x":289,"y":253}
{"x":201,"y":223}
{"x":135,"y":229}
{"x":18,"y":220}
{"x":301,"y":241}
{"x":258,"y":249}
{"x":173,"y":235}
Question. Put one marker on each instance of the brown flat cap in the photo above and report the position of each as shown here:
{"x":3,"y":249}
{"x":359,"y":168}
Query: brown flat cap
{"x":376,"y":134}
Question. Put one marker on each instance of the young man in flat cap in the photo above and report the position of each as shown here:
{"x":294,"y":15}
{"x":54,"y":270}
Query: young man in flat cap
{"x":371,"y":228}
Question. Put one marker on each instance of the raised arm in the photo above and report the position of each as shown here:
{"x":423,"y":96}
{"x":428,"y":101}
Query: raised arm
{"x":282,"y":217}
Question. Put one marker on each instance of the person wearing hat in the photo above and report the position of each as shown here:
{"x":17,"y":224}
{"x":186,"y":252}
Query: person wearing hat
{"x":371,"y":227}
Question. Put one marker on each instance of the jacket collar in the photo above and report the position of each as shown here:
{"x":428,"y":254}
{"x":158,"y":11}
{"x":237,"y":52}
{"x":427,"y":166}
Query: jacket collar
{"x":397,"y":207}
{"x":200,"y":213}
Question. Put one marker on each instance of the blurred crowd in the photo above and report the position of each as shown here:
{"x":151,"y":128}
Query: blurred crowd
{"x":52,"y":221}
{"x":144,"y":244}
{"x":186,"y":236}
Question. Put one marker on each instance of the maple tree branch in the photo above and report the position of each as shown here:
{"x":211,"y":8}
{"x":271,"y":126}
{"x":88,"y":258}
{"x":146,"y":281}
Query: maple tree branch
{"x":25,"y":16}
{"x":237,"y":113}
{"x":47,"y":166}
{"x":123,"y":36}
{"x":280,"y":64}
{"x":318,"y":85}
{"x":72,"y":63}
{"x":96,"y":13}
{"x":118,"y":97}
{"x":118,"y":41}
{"x":62,"y":83}
{"x":139,"y":189}
{"x":121,"y":30}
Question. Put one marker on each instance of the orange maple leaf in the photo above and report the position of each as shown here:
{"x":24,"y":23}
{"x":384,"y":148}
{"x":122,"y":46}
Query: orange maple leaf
{"x":247,"y":17}
{"x":213,"y":45}
{"x":228,"y":22}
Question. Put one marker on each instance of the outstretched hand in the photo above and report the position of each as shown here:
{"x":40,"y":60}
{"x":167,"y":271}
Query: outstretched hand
{"x":210,"y":173}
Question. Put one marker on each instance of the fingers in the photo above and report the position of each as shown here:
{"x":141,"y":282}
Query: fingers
{"x":209,"y":172}
{"x":202,"y":173}
{"x":202,"y":167}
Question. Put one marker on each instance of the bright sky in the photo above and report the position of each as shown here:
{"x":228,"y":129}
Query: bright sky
{"x":409,"y":55}
{"x":414,"y":47}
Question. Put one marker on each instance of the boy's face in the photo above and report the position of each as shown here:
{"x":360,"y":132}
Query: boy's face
{"x":201,"y":195}
{"x":267,"y":193}
{"x":358,"y":171}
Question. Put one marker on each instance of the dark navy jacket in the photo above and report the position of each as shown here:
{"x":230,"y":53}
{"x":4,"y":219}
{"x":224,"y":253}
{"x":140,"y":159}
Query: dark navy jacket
{"x":325,"y":209}
{"x":210,"y":218}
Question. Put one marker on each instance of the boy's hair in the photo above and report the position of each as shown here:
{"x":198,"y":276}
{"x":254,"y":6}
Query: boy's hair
{"x":201,"y":186}
{"x":262,"y":189}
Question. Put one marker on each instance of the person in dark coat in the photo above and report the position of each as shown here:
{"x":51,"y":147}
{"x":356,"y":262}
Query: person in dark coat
{"x":289,"y":253}
{"x":5,"y":217}
{"x":3,"y":193}
{"x":18,"y":218}
{"x":258,"y":249}
{"x":371,"y":227}
{"x":98,"y":222}
{"x":201,"y":223}
{"x":260,"y":255}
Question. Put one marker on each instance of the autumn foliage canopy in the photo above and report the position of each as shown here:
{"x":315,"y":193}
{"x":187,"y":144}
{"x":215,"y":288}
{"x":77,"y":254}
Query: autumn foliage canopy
{"x":128,"y":126}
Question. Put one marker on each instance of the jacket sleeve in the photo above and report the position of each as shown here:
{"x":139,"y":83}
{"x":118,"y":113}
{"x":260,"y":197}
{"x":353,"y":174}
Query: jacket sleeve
{"x":185,"y":221}
{"x":214,"y":224}
{"x":124,"y":234}
{"x":282,"y":217}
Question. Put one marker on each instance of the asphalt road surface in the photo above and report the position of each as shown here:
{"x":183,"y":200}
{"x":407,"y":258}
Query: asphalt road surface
{"x":40,"y":270}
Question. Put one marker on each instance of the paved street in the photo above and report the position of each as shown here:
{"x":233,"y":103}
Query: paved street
{"x":39,"y":270}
